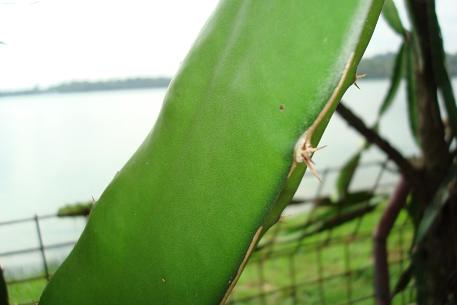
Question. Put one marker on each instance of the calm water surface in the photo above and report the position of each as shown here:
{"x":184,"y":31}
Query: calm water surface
{"x":58,"y":149}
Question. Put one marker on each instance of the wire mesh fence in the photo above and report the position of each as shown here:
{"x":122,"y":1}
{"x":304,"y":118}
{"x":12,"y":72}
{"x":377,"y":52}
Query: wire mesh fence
{"x":295,"y":262}
{"x":336,"y":270}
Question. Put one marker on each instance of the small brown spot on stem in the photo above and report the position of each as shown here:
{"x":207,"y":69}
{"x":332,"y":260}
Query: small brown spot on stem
{"x":282,"y":107}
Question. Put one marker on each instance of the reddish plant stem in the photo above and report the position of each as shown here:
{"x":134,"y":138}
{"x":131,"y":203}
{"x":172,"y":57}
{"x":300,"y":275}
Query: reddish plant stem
{"x":381,"y":233}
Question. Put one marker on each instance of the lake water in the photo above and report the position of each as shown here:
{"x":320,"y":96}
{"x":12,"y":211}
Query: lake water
{"x":61,"y":149}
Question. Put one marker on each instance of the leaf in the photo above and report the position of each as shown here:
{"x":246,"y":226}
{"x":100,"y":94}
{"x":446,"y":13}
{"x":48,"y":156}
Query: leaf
{"x":327,"y":208}
{"x":411,"y":90}
{"x":447,"y":92}
{"x":342,"y":218}
{"x":433,"y":210}
{"x":397,"y":75}
{"x":77,"y":209}
{"x":390,"y":14}
{"x":356,"y":198}
{"x":440,"y":70}
{"x":335,"y":217}
{"x":179,"y":221}
{"x":346,"y":174}
{"x":349,"y":200}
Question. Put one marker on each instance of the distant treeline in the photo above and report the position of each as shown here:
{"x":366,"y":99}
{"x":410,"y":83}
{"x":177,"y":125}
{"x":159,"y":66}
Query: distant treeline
{"x":380,"y":66}
{"x":89,"y":86}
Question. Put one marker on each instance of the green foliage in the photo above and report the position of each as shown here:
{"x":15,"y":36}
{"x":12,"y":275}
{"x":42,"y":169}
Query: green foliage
{"x":441,"y":73}
{"x":348,"y":170}
{"x":329,"y":214}
{"x":406,"y":64}
{"x":176,"y":223}
{"x":433,"y":210}
{"x":397,"y":75}
{"x":76,"y":209}
{"x":26,"y":292}
{"x":390,"y":14}
{"x":420,"y":55}
{"x":346,"y":174}
{"x":411,"y":90}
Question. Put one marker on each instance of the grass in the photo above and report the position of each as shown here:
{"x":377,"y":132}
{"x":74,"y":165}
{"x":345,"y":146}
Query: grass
{"x":27,"y":292}
{"x":327,"y":268}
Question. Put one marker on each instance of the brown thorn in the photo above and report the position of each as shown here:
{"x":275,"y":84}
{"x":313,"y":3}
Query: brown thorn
{"x":360,"y":76}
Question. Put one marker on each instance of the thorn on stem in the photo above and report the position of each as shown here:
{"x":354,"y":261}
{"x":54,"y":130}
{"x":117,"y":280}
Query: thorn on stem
{"x":357,"y":77}
{"x":307,"y":154}
{"x":360,"y":76}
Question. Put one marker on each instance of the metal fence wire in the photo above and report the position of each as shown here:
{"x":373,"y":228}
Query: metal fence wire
{"x":329,"y":266}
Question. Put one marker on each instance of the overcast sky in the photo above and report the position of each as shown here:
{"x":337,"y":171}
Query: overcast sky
{"x":51,"y":41}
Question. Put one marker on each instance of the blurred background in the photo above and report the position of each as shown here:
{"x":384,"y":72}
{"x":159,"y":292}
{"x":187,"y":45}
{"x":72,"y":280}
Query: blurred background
{"x":81,"y":85}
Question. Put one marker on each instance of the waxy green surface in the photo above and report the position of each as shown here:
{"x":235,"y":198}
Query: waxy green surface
{"x":174,"y":225}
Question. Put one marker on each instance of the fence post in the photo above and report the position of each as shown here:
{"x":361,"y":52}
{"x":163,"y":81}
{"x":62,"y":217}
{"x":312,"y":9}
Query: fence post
{"x":320,"y":274}
{"x":348,"y":270}
{"x":293,"y":278}
{"x":262,"y":295}
{"x":40,"y":241}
